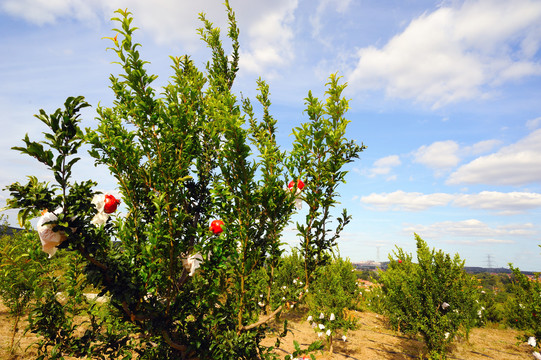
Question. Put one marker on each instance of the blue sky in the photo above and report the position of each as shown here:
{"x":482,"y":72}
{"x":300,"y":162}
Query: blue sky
{"x":445,"y":94}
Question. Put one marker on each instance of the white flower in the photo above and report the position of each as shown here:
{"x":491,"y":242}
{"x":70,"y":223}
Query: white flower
{"x":294,"y":281}
{"x":531,"y":341}
{"x":314,"y":325}
{"x":536,"y":355}
{"x":444,"y":305}
{"x":331,"y":318}
{"x":309,"y":318}
{"x":321,"y":316}
{"x":328,"y":332}
{"x":344,"y":337}
{"x":283,"y":298}
{"x":49,"y":239}
{"x":261,"y":303}
{"x":321,"y":326}
{"x":192,"y":263}
{"x":284,"y":287}
{"x":447,"y":335}
{"x":319,"y":334}
{"x":292,"y":306}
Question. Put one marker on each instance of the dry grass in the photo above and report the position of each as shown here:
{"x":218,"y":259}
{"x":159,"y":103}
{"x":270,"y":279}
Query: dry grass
{"x":372,"y":341}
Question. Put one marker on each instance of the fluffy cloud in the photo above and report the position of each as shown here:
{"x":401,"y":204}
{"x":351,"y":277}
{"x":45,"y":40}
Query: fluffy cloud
{"x":42,"y":12}
{"x":439,"y":155}
{"x":481,"y":147}
{"x":408,"y":201}
{"x":384,"y":165}
{"x":270,"y":36}
{"x":471,"y":229}
{"x":502,"y":203}
{"x":455,"y":53}
{"x":265,"y":25}
{"x":516,"y":164}
{"x":533,"y":124}
{"x":444,"y":155}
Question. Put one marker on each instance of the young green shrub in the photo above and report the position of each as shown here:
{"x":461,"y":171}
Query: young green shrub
{"x":21,"y":274}
{"x":289,"y":287}
{"x":333,"y":291}
{"x":434,"y":297}
{"x":523,"y":311}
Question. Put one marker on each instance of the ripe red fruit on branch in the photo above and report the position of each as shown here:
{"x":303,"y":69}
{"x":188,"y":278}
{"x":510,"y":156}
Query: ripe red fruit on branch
{"x":300,"y":184}
{"x":216,"y":226}
{"x":110,"y":204}
{"x":400,"y":261}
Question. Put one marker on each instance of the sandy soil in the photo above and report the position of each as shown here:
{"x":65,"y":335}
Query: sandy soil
{"x":372,"y":341}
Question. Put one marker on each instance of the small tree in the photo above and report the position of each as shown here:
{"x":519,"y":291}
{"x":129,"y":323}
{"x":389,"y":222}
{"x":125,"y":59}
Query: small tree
{"x":333,"y":291}
{"x":523,"y":311}
{"x":434,"y":297}
{"x":320,"y":151}
{"x":183,"y":160}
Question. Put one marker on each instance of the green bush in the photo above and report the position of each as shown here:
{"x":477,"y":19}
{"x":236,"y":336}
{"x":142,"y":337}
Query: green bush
{"x":182,"y":159}
{"x":523,"y":311}
{"x":21,"y":274}
{"x":433,"y":297}
{"x":333,"y":291}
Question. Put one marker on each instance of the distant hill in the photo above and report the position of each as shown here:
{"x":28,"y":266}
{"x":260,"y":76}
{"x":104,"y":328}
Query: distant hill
{"x":9,"y":230}
{"x":370,"y":265}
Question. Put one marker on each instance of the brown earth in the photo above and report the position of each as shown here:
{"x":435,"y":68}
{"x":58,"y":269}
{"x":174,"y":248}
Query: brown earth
{"x":372,"y":341}
{"x":375,"y":341}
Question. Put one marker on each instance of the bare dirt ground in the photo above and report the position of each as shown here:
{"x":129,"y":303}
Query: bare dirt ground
{"x":375,"y":341}
{"x":372,"y":341}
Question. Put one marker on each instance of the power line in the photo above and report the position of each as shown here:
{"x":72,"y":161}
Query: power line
{"x":489,"y":261}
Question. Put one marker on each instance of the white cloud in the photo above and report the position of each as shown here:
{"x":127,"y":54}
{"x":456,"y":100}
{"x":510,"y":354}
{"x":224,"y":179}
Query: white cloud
{"x":481,"y":147}
{"x":270,"y":36}
{"x":455,"y":53}
{"x":384,"y":166}
{"x":504,"y":203}
{"x":500,"y":202}
{"x":42,"y":12}
{"x":323,"y":7}
{"x":407,"y":201}
{"x":471,"y":229}
{"x":265,"y":25}
{"x":438,"y":155}
{"x":533,"y":124}
{"x":516,"y":164}
{"x":444,"y":155}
